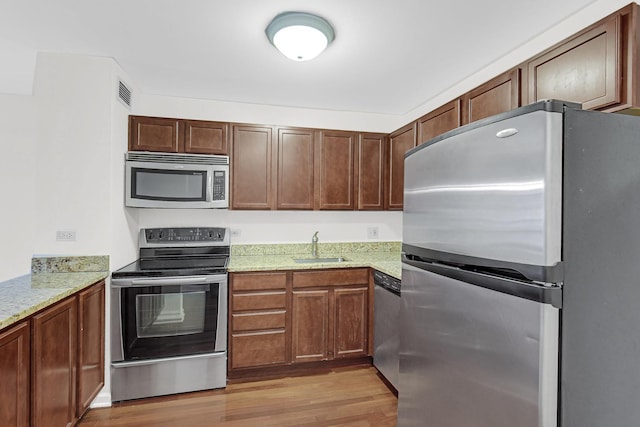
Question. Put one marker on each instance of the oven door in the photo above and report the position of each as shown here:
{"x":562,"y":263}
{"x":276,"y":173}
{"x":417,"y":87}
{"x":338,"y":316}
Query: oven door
{"x":169,"y":317}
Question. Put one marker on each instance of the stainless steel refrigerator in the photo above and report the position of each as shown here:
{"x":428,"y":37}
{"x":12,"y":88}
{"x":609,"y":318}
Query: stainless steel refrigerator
{"x":521,"y":273}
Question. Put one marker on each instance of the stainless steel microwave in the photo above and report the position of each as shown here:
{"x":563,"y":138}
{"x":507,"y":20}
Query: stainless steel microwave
{"x":166,"y":180}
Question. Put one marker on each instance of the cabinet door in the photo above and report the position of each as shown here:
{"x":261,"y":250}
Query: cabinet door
{"x":251,"y":163}
{"x":351,"y":322}
{"x":295,"y":169}
{"x":310,"y":328}
{"x":335,"y":162}
{"x":494,"y":97}
{"x":585,"y":69}
{"x":400,"y":142}
{"x":14,"y":381}
{"x":54,"y":365}
{"x":90,"y":345}
{"x":203,"y":137}
{"x":371,"y":159}
{"x":444,"y":119}
{"x":258,"y":348}
{"x":153,"y":134}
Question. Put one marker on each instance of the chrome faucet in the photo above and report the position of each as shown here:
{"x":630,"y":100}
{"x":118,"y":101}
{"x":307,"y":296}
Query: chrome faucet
{"x":314,"y":245}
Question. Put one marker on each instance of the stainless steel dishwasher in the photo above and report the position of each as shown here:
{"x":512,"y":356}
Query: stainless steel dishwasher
{"x":386,"y":339}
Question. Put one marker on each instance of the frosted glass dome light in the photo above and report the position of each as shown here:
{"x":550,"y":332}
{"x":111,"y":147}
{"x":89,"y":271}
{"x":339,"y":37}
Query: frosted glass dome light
{"x":300,"y":36}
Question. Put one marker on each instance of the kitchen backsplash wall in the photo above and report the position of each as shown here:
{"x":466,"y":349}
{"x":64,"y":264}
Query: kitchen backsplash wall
{"x":283,"y":226}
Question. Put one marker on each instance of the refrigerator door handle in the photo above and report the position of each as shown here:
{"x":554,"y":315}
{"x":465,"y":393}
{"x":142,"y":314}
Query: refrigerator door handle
{"x":528,"y":290}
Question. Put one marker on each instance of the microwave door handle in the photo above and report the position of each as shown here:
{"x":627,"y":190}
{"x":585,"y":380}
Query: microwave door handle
{"x":210,"y":174}
{"x":172,"y":281}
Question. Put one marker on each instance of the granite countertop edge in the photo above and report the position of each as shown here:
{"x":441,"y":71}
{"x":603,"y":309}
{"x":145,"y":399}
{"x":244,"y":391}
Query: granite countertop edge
{"x":383,"y":258}
{"x":51,"y":280}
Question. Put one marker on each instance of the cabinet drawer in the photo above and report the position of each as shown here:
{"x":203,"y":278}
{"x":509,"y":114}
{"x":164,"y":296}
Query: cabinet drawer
{"x":258,"y":349}
{"x":258,"y":301}
{"x":256,"y":321}
{"x":258,"y":281}
{"x":342,"y":277}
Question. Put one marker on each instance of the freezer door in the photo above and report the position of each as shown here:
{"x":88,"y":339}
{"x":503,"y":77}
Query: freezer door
{"x":472,"y":356}
{"x":492,"y":192}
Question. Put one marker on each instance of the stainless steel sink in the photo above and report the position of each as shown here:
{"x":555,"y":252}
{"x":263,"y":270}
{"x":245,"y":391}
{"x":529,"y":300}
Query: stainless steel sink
{"x":318,"y":260}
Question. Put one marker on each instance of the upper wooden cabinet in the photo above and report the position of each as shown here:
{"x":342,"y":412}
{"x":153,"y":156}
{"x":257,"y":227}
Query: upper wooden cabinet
{"x":334,"y":164}
{"x":251,"y":167}
{"x":295,"y":174}
{"x":371,"y":159}
{"x":400,"y":142}
{"x":177,"y":136}
{"x":493,"y":97}
{"x":584,"y":69}
{"x":597,"y":67}
{"x":441,"y":120}
{"x":203,"y":137}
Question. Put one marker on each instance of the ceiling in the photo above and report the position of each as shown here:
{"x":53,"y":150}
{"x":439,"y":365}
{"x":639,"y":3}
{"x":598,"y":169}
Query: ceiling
{"x":388,"y":57}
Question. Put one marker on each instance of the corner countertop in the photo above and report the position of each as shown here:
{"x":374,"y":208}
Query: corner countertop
{"x":383,"y":256}
{"x":51,"y":280}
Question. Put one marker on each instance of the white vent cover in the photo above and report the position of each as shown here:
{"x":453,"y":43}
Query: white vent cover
{"x":124,"y":94}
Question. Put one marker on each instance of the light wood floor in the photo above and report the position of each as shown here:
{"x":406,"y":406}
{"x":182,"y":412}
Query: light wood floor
{"x":342,"y":397}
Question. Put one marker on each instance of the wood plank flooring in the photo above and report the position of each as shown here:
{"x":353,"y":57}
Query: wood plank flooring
{"x":353,"y":396}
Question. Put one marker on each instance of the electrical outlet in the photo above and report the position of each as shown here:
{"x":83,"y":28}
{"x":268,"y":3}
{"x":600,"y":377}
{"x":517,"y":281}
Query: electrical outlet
{"x":66,"y":235}
{"x":372,"y":232}
{"x":236,"y":232}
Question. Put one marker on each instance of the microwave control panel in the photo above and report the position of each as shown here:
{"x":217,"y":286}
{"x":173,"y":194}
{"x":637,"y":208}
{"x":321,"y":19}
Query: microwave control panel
{"x":219,"y":187}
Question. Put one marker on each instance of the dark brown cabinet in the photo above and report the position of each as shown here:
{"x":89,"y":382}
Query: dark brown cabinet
{"x":400,"y":142}
{"x":310,"y":326}
{"x":204,"y":137}
{"x":258,"y":320}
{"x":334,"y":165}
{"x":90,"y":345}
{"x":251,"y":167}
{"x":496,"y":96}
{"x":584,"y":69}
{"x":330,"y":314}
{"x":177,"y":135}
{"x":369,"y":172}
{"x":54,"y":365}
{"x":280,"y":319}
{"x":441,"y":120}
{"x":295,"y":173}
{"x":14,"y":369}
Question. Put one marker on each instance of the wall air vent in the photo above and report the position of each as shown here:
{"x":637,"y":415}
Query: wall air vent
{"x":124,"y":94}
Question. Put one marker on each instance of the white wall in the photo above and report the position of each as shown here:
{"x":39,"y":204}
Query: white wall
{"x":548,"y":37}
{"x":283,"y":226}
{"x":17,"y":187}
{"x":73,"y":151}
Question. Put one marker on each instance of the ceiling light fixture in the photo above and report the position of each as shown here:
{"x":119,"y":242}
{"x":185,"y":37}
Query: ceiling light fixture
{"x":300,"y":36}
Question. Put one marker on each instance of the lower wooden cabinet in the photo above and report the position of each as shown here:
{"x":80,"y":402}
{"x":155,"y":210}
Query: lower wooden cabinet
{"x":257,"y":320}
{"x":286,"y":318}
{"x":52,"y":364}
{"x":14,"y":369}
{"x":90,"y":345}
{"x":310,"y":328}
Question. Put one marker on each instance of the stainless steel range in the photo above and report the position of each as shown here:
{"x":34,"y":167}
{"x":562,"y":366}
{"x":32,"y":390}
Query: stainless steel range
{"x":169,"y":314}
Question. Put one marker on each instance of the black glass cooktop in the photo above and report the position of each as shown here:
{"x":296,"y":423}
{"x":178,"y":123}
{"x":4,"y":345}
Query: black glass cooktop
{"x":167,"y":267}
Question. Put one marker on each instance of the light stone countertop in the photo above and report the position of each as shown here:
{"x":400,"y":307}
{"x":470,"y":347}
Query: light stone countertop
{"x":383,"y":256}
{"x":51,"y":280}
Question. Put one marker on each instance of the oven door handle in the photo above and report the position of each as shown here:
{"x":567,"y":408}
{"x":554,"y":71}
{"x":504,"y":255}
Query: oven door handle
{"x":171,"y":281}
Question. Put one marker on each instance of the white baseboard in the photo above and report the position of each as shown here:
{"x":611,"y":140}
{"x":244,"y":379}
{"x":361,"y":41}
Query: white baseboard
{"x":102,"y":400}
